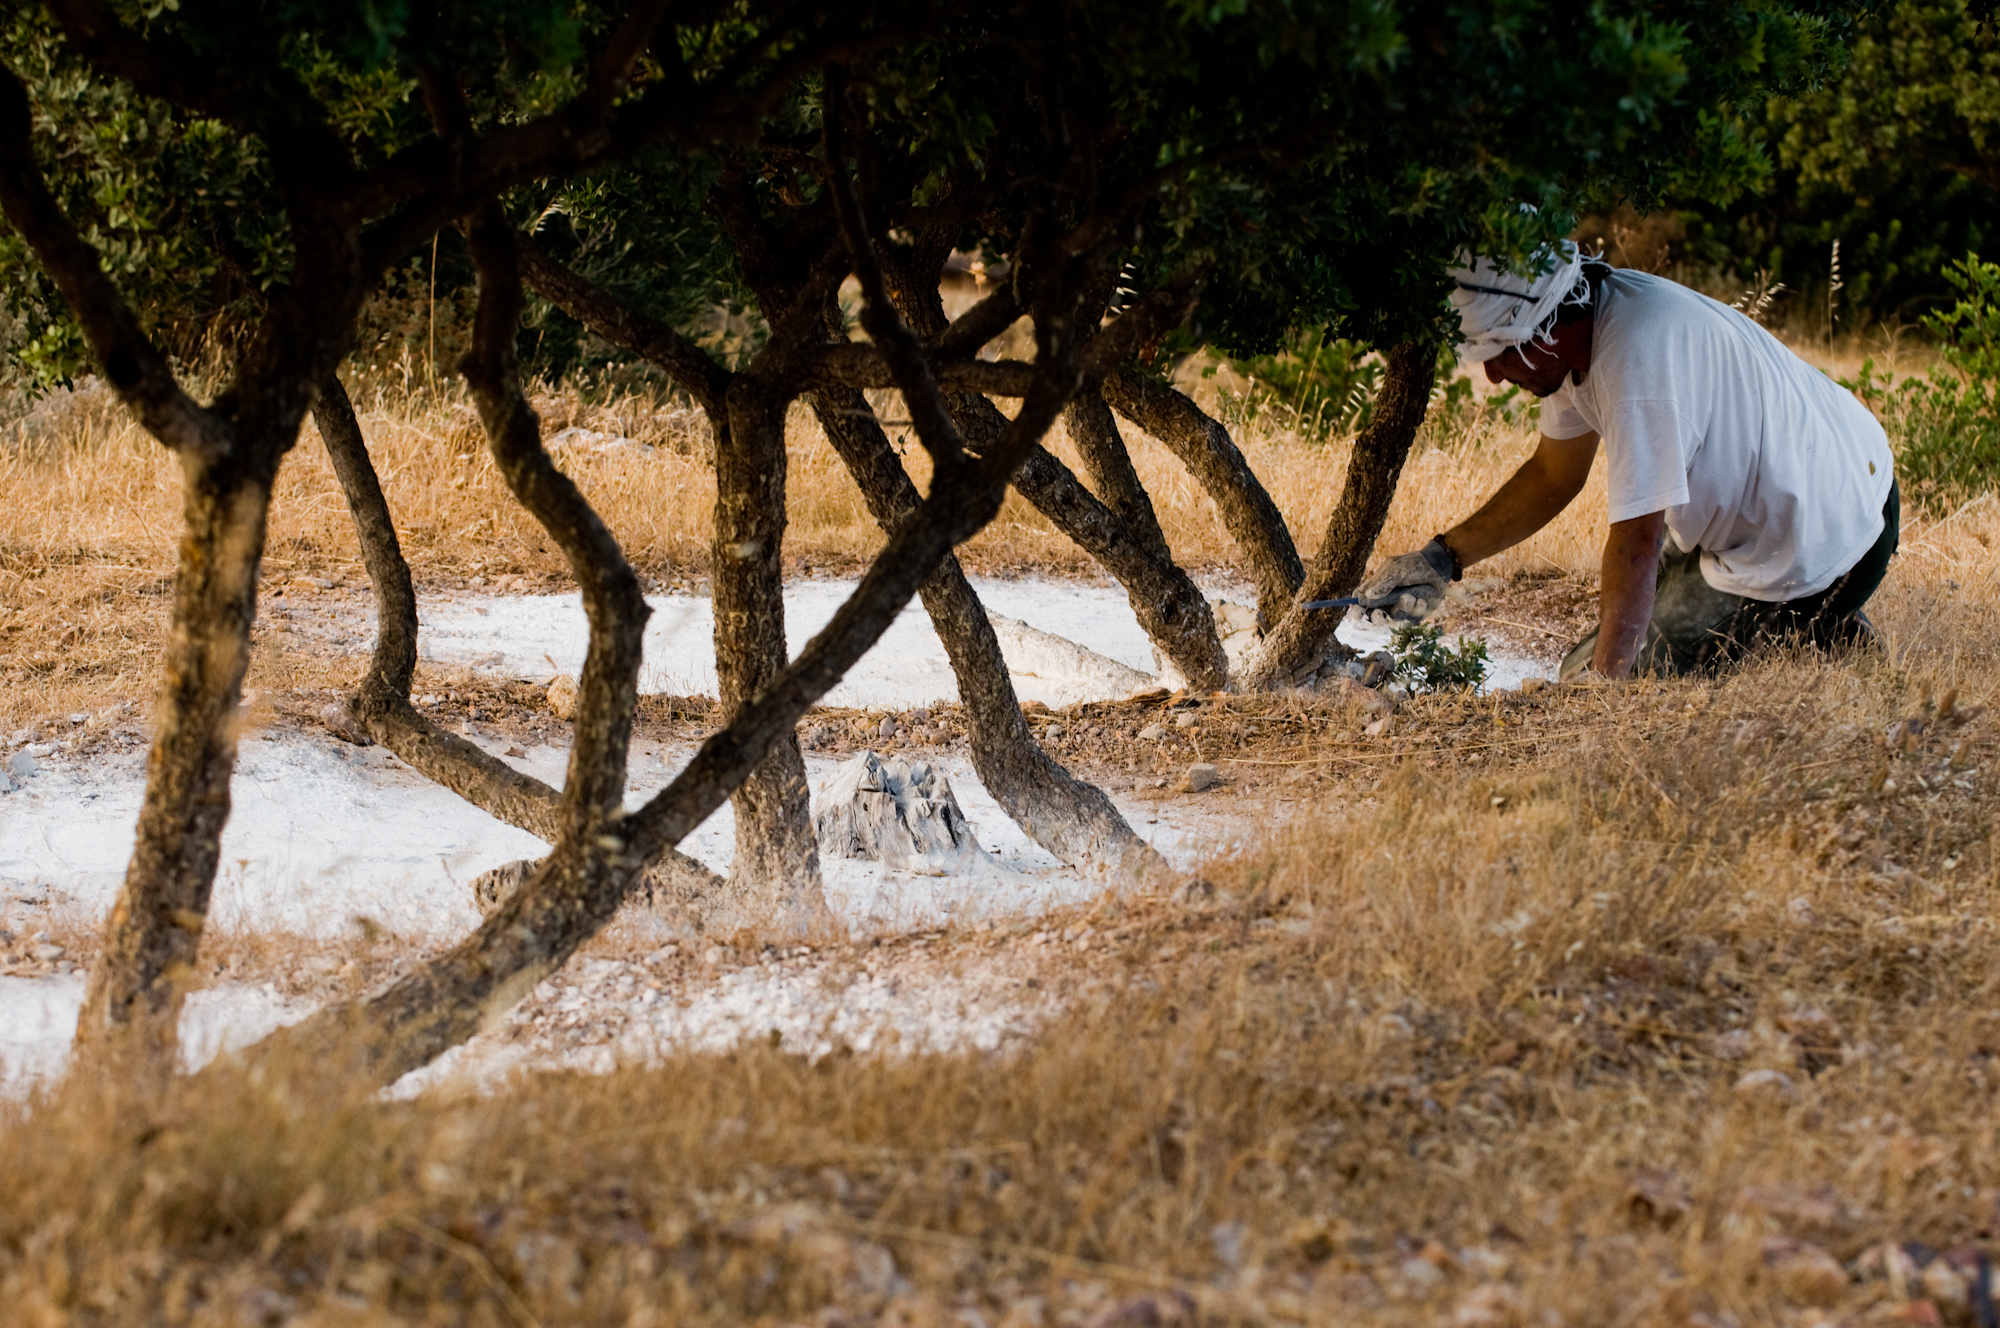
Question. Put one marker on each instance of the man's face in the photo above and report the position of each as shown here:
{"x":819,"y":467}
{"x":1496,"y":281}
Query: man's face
{"x":1537,"y":369}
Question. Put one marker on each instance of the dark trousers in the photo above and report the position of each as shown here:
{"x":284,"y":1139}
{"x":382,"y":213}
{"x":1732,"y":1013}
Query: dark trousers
{"x":1697,"y":628}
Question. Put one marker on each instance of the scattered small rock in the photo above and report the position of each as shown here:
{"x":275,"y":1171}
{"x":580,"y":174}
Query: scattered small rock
{"x":560,"y":696}
{"x":1658,"y":1196}
{"x":514,"y":749}
{"x":6,"y":782}
{"x":80,"y":717}
{"x":1201,"y":776}
{"x":1372,"y":698}
{"x":48,"y":954}
{"x":1795,"y":1205}
{"x":494,"y":888}
{"x":1905,"y":732}
{"x":1804,"y":1271}
{"x":1053,"y":732}
{"x":21,"y":765}
{"x":1152,"y":733}
{"x":887,"y":728}
{"x":1731,"y":1046}
{"x":1186,"y":719}
{"x":1529,"y":686}
{"x":338,"y":720}
{"x":1491,"y":1305}
{"x":1773,"y":1082}
{"x":1377,"y":668}
{"x":1422,"y":1274}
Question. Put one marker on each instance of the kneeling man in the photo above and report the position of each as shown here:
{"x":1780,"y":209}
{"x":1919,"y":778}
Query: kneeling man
{"x":1752,"y":497}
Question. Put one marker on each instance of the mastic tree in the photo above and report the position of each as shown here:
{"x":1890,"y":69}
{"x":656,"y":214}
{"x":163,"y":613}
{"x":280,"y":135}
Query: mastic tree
{"x":1155,"y":177}
{"x":1288,"y":196}
{"x":1898,"y":159}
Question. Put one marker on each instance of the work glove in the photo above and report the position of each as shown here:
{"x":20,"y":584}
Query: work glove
{"x":1410,"y":584}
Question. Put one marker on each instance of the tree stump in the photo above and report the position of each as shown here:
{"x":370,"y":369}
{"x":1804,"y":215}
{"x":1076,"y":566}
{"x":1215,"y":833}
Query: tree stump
{"x":899,"y":813}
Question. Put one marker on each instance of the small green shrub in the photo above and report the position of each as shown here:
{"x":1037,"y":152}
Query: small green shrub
{"x":1424,"y":663}
{"x":1317,"y":386}
{"x":1945,"y":426}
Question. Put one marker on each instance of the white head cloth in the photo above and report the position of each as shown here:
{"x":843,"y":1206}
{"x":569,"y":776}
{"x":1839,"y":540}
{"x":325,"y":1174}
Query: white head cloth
{"x":1498,"y":309}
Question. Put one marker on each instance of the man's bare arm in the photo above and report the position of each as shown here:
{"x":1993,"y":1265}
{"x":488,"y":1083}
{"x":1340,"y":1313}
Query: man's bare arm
{"x":1529,"y":500}
{"x":1631,"y":571}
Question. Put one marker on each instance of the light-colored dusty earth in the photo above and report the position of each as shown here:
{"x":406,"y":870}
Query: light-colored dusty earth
{"x":342,"y":866}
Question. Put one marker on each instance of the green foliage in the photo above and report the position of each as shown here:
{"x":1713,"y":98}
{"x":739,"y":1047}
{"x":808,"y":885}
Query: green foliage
{"x":1424,"y":663}
{"x":1946,"y":425}
{"x":1316,"y":162}
{"x":1478,"y":108}
{"x":1898,"y":159}
{"x":1317,"y":387}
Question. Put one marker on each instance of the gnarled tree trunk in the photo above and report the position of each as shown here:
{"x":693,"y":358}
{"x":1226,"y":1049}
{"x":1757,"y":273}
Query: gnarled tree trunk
{"x":382,"y":702}
{"x":776,"y":867}
{"x":592,"y":866}
{"x":1119,"y":531}
{"x":1072,"y":819}
{"x":134,"y":998}
{"x":1204,"y":446}
{"x":1302,"y":643}
{"x":1181,"y":622}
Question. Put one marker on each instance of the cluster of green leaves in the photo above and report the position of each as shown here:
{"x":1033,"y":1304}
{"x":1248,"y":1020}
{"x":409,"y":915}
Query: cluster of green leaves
{"x":1470,"y":110}
{"x":1319,"y":162}
{"x":1317,"y":386}
{"x":1424,"y":663}
{"x":1946,"y":424}
{"x":1898,"y":159}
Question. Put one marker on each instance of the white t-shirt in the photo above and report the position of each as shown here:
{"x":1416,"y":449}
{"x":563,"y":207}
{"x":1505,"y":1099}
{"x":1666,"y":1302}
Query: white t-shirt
{"x":1770,"y":468}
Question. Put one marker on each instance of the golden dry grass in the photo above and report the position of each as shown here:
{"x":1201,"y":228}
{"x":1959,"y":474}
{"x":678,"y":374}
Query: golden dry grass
{"x":1683,"y":1019}
{"x":1660,"y":1005}
{"x":89,"y":518}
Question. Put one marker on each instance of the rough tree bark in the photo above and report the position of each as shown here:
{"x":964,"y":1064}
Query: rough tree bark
{"x":577,"y":889}
{"x":228,"y":462}
{"x":156,"y":925}
{"x":382,"y":702}
{"x":1204,"y":446}
{"x":230,"y":452}
{"x":1302,"y":642}
{"x":776,"y":867}
{"x":1071,"y":818}
{"x":1182,"y":622}
{"x":1126,"y":543}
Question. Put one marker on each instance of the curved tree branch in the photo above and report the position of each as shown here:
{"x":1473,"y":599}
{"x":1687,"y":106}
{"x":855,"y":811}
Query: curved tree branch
{"x":132,"y":364}
{"x":382,"y":702}
{"x":929,"y":415}
{"x":1298,"y":648}
{"x":1204,"y":446}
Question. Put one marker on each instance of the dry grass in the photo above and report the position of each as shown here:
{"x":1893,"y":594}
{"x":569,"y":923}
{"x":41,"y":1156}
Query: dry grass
{"x":1415,"y":1057}
{"x":89,"y":518}
{"x":1630,"y":1005}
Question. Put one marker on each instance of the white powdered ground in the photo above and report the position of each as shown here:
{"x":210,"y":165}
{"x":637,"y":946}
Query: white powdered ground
{"x":537,"y":636}
{"x":322,"y":835}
